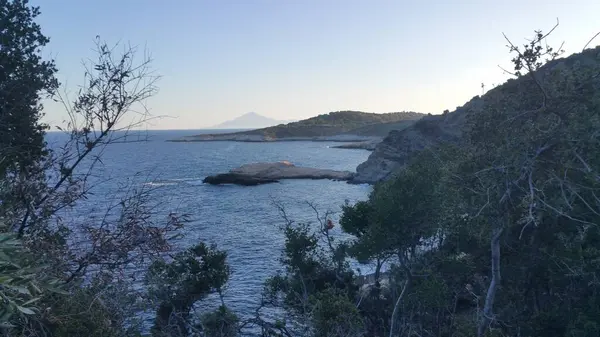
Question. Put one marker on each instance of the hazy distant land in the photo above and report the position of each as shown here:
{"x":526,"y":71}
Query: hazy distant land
{"x":343,"y":126}
{"x":250,"y":120}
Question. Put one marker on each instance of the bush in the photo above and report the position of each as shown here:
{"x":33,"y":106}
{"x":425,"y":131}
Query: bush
{"x":336,"y":315}
{"x":220,"y":323}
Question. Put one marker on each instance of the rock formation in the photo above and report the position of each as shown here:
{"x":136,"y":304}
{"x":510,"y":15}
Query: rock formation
{"x":264,"y":173}
{"x":400,"y":146}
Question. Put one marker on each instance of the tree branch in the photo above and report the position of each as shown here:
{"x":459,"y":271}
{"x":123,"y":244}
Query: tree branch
{"x":488,"y":307}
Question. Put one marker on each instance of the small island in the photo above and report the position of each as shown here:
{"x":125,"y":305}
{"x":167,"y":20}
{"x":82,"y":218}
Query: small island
{"x":264,"y":173}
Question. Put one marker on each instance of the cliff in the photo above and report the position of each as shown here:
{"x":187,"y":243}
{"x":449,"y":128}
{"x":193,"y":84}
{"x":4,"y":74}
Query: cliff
{"x":400,"y":145}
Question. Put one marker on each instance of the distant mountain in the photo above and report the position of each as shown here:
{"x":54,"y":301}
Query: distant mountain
{"x":250,"y":120}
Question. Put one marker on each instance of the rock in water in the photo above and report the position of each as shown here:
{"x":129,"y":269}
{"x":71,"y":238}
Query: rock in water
{"x":237,"y":179}
{"x":264,"y":173}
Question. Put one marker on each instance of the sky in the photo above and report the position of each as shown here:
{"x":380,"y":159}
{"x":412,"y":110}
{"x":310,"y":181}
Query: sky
{"x":289,"y":59}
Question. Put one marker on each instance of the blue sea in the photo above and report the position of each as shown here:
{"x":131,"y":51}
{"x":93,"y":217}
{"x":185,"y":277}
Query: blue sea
{"x":241,"y":220}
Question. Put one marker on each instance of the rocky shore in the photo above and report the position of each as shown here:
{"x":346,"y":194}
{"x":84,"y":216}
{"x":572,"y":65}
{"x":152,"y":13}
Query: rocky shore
{"x":368,"y":145}
{"x":264,"y":173}
{"x":400,"y":146}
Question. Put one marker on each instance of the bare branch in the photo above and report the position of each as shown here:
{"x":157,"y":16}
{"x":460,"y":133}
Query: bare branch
{"x":494,"y":283}
{"x":590,"y":41}
{"x":397,"y":306}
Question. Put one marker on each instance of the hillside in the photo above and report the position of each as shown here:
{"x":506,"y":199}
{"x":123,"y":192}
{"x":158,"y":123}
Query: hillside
{"x":341,"y":122}
{"x":250,"y":120}
{"x":400,"y":146}
{"x":382,"y":129}
{"x":340,"y":125}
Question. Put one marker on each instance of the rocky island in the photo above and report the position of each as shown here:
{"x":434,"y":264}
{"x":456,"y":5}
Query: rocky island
{"x":264,"y":173}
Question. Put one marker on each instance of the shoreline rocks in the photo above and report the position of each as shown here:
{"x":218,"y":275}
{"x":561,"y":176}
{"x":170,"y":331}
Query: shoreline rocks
{"x":399,"y":147}
{"x":265,"y":173}
{"x":369,"y":146}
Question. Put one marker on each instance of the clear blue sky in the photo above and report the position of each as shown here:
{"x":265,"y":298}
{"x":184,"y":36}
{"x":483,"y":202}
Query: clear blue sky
{"x":295,"y":59}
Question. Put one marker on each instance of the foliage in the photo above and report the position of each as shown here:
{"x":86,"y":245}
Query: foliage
{"x":314,"y":266}
{"x":335,"y":315}
{"x":220,"y":323}
{"x":37,"y":183}
{"x":532,"y":176}
{"x":22,"y":282}
{"x":24,"y":79}
{"x":104,"y":307}
{"x":178,"y":284}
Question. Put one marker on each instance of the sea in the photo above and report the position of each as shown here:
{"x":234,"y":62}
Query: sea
{"x":243,"y":220}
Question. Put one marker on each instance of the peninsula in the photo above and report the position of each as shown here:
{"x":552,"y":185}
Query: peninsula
{"x":340,"y":126}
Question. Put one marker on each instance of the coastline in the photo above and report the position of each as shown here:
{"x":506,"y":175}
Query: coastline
{"x":264,"y":139}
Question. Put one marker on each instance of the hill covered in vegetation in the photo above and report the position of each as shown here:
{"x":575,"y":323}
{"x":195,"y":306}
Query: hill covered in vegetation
{"x":489,"y":218}
{"x":399,"y":146}
{"x":339,"y":125}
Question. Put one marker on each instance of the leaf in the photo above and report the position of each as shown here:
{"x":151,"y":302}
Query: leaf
{"x":32,"y":301}
{"x":57,"y":290}
{"x":35,"y":287}
{"x":26,"y":311}
{"x":5,"y":314}
{"x":5,"y":279}
{"x":22,"y":290}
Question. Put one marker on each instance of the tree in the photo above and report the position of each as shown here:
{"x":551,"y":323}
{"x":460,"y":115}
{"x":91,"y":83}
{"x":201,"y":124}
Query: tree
{"x":178,"y":284}
{"x":403,"y":222}
{"x":24,"y":80}
{"x":532,"y":179}
{"x":21,"y":284}
{"x":220,"y":323}
{"x":316,"y":274}
{"x":37,"y":182}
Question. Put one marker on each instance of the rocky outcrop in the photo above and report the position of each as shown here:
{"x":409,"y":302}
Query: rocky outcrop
{"x":264,"y":173}
{"x":400,"y":146}
{"x":237,"y":179}
{"x":368,"y":145}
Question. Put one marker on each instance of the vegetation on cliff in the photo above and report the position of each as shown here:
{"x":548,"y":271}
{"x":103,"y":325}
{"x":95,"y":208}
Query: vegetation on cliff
{"x":496,"y":237}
